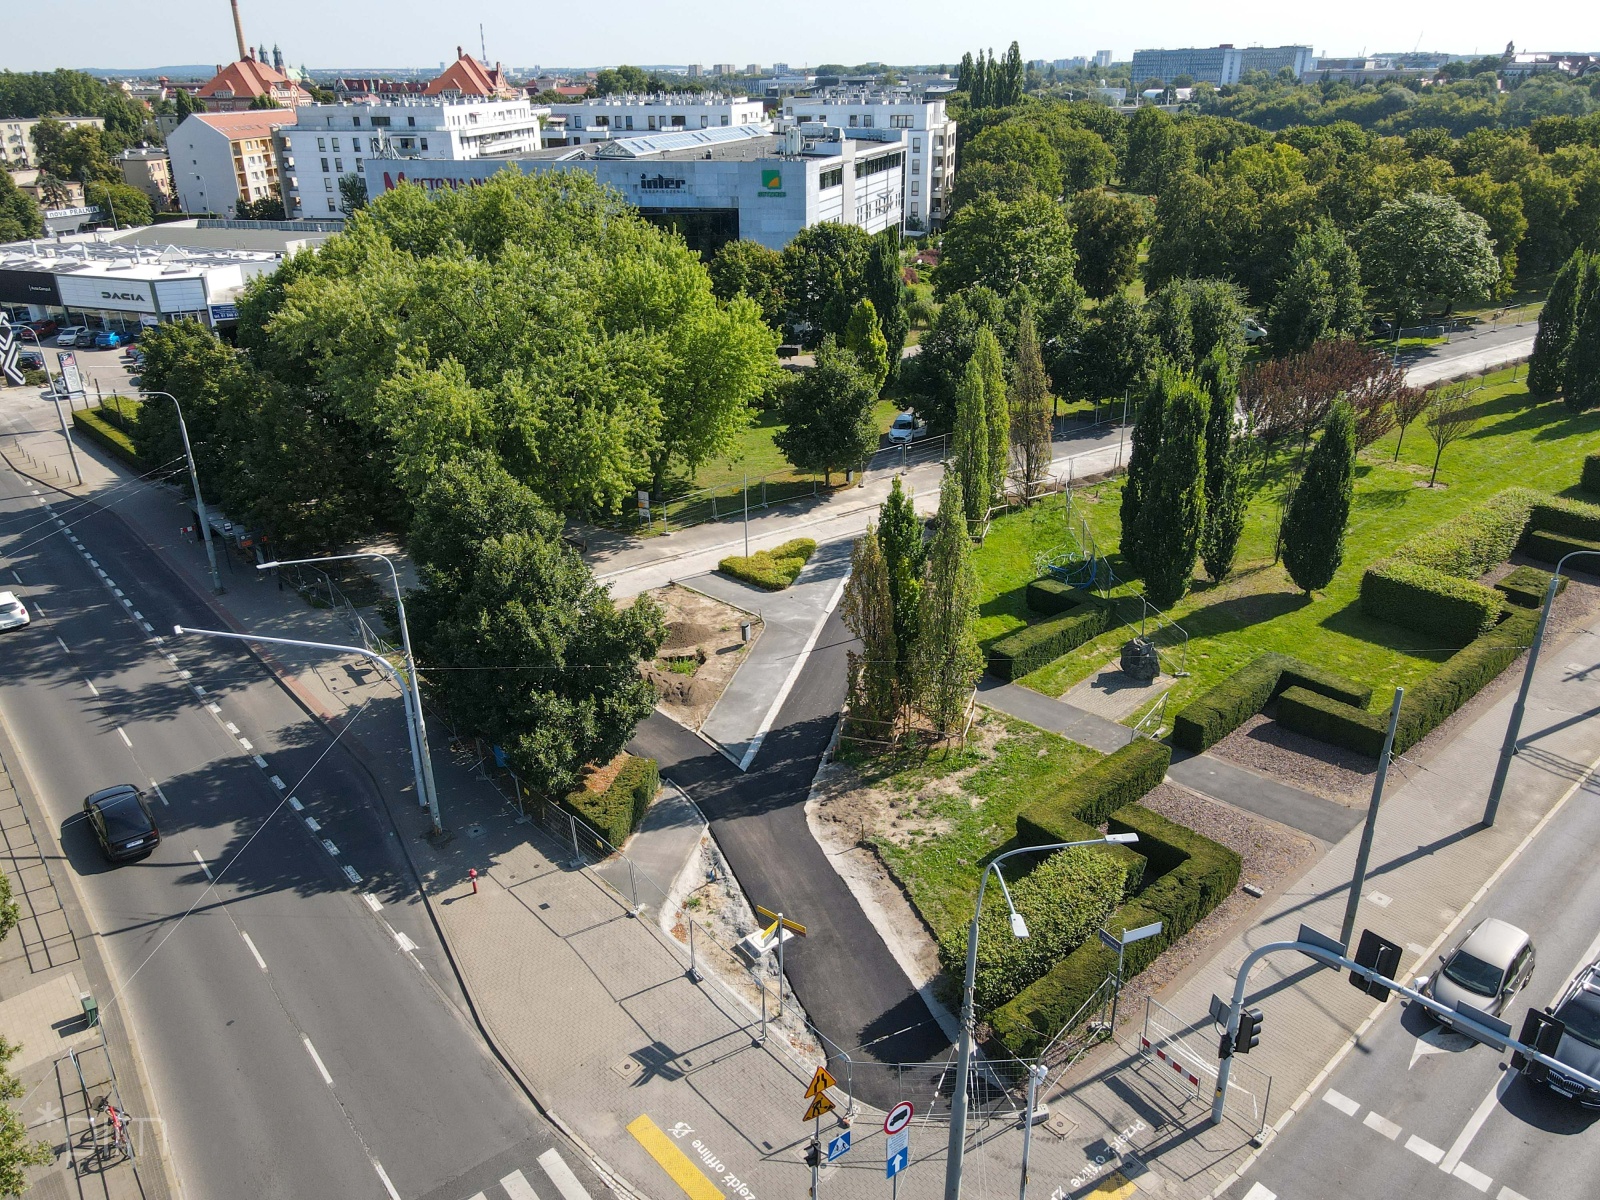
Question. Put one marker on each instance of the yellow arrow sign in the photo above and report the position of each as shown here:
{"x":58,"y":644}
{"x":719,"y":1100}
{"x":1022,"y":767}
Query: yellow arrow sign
{"x":819,"y":1107}
{"x":820,"y":1082}
{"x":791,"y":926}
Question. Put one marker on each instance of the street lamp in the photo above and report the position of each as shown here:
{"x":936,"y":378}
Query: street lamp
{"x":55,"y":397}
{"x":380,"y":660}
{"x":199,"y":501}
{"x":427,"y":793}
{"x":1508,"y":748}
{"x":1019,"y":929}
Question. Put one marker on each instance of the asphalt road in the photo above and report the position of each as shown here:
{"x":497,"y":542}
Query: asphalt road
{"x":1415,"y":1111}
{"x":302,"y":1033}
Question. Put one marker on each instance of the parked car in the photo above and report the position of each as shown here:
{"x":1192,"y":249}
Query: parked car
{"x":106,"y":339}
{"x":907,"y":429}
{"x":1254,"y":331}
{"x":44,"y":328}
{"x":13,"y":613}
{"x":31,"y":360}
{"x":122,"y":822}
{"x":1579,"y":1011}
{"x":1487,"y":967}
{"x":74,"y":335}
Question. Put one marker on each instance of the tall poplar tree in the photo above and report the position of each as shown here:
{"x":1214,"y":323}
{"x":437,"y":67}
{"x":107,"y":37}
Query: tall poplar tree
{"x":868,"y":609}
{"x":1030,"y":410}
{"x":996,"y":410}
{"x":1557,"y":320}
{"x":970,"y":445}
{"x":1580,"y":384}
{"x":900,"y":535}
{"x":1224,"y":467}
{"x":864,"y":339}
{"x":947,"y":662}
{"x":1313,"y":530}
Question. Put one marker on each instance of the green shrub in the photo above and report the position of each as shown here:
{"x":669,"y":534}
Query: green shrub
{"x":1053,"y":597}
{"x":1201,"y":875}
{"x":1089,"y":797}
{"x":92,"y":424}
{"x":1328,"y":720}
{"x":616,"y":812}
{"x":1033,"y":646}
{"x":1526,"y":586}
{"x":1217,"y":712}
{"x":1553,"y":547}
{"x":1429,"y":601}
{"x":1590,"y":481}
{"x":1574,"y":518}
{"x":1471,"y":542}
{"x":773,"y":569}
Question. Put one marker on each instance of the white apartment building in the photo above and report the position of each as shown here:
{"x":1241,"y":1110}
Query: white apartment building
{"x":222,"y":158}
{"x":16,"y":137}
{"x":601,"y":118}
{"x":928,"y":134}
{"x":329,"y":141}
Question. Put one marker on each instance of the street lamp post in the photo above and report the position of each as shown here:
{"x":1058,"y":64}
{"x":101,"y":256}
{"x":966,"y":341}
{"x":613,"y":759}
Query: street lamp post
{"x":199,"y":501}
{"x":417,"y":727}
{"x":1508,"y":748}
{"x":55,"y":398}
{"x":382,"y":663}
{"x":1019,"y":929}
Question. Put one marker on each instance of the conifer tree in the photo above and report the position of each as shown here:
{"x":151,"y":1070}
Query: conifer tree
{"x":1557,"y":320}
{"x":1225,"y":496}
{"x":996,"y":410}
{"x":1313,"y":530}
{"x":1580,"y":382}
{"x":900,"y":535}
{"x":1169,"y":512}
{"x":1141,"y":461}
{"x":947,"y":661}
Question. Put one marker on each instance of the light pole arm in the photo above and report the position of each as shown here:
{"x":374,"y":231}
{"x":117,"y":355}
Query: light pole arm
{"x":373,"y":655}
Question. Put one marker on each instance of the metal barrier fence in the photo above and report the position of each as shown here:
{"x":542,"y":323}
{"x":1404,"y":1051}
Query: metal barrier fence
{"x":1167,"y":1042}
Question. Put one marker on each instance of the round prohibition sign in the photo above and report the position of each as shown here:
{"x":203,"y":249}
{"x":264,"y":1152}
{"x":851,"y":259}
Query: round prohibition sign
{"x":899,"y":1117}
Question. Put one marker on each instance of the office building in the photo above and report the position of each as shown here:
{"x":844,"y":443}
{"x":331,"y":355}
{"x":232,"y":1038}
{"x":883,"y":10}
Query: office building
{"x":1102,"y":58}
{"x":148,"y":169}
{"x":222,"y":159}
{"x":601,"y":118}
{"x":16,"y":137}
{"x":1219,"y":65}
{"x":330,"y":141}
{"x":930,"y":137}
{"x":715,"y":185}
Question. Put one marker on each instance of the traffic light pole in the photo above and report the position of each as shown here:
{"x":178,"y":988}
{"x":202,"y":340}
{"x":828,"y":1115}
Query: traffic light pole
{"x":1359,"y":878}
{"x":1462,"y":1022}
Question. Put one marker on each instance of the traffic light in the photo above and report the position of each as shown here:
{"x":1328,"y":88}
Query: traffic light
{"x":1376,"y":954}
{"x":1249,"y":1035}
{"x":1543,"y":1032}
{"x":813,"y":1154}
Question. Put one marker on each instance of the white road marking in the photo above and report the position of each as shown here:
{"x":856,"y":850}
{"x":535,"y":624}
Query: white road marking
{"x":311,"y":824}
{"x":1382,"y":1125}
{"x":372,"y":901}
{"x":247,"y":744}
{"x":1260,"y":1192}
{"x":1424,"y":1149}
{"x":296,"y":805}
{"x":63,"y":645}
{"x":230,"y":726}
{"x":1342,"y":1102}
{"x":518,"y":1188}
{"x":126,"y":603}
{"x":1507,"y":1194}
{"x":92,"y":688}
{"x":561,"y":1175}
{"x":260,"y":962}
{"x":1439,"y":1040}
{"x":382,"y":1174}
{"x":404,"y":942}
{"x":149,"y":628}
{"x":123,"y":734}
{"x":352,"y":875}
{"x":278,"y":783}
{"x":330,"y":847}
{"x":17,"y":577}
{"x":317,"y":1058}
{"x":1475,"y":1122}
{"x":477,"y":1196}
{"x":137,"y":615}
{"x":257,"y":759}
{"x":1379,"y":899}
{"x":103,"y":575}
{"x":203,"y":866}
{"x":214,"y":708}
{"x":159,"y":793}
{"x":1469,"y":1175}
{"x":117,"y":592}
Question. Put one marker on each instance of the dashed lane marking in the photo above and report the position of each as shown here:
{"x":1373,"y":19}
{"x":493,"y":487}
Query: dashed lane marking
{"x":257,"y":759}
{"x":1342,"y":1102}
{"x":117,"y":592}
{"x":92,"y":689}
{"x":162,"y":796}
{"x":330,"y":847}
{"x":229,"y":725}
{"x":354,"y":877}
{"x":313,"y":825}
{"x":296,"y":805}
{"x":137,"y":615}
{"x":372,"y":901}
{"x":246,"y":743}
{"x":123,"y":734}
{"x":1424,"y":1150}
{"x":185,"y":676}
{"x":1472,"y":1177}
{"x":278,"y":783}
{"x":203,"y":866}
{"x":1382,"y":1125}
{"x":212,"y":708}
{"x":256,"y":954}
{"x":149,"y":628}
{"x":317,"y":1058}
{"x":404,"y":942}
{"x":63,"y":645}
{"x":383,"y":1177}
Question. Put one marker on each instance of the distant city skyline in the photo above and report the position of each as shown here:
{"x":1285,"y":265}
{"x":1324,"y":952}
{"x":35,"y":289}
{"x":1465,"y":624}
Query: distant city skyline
{"x":407,"y":33}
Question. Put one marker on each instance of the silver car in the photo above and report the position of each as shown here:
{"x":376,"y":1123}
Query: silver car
{"x":13,"y":613}
{"x":1490,"y":965}
{"x":1579,"y":1010}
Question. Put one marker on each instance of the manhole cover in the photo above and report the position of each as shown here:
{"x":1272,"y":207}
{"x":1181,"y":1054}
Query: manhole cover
{"x":1060,"y":1124}
{"x":627,"y":1068}
{"x":474,"y":831}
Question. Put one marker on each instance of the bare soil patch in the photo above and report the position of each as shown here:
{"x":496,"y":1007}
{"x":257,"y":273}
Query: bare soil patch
{"x":702,"y":651}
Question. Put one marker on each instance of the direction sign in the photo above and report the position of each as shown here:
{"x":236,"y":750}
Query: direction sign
{"x":819,"y":1106}
{"x":1129,"y":936}
{"x":839,"y":1145}
{"x":820,"y":1082}
{"x":1110,"y":939}
{"x":899,"y":1117}
{"x":9,"y":353}
{"x":898,"y":1154}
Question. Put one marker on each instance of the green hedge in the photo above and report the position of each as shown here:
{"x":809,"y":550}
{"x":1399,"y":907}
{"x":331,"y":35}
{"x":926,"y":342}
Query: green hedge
{"x":1327,"y":720}
{"x":773,"y":569}
{"x":1033,"y":646}
{"x":1471,"y":542}
{"x":1574,"y":518}
{"x":1053,"y":597}
{"x":1428,"y":600}
{"x":92,"y":424}
{"x":1198,"y":875}
{"x":1590,"y":481}
{"x":1526,"y":586}
{"x":1553,"y":547}
{"x":616,"y":812}
{"x":1218,"y":711}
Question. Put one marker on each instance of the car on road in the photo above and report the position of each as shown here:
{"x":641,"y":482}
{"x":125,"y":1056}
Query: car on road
{"x":1487,"y":967}
{"x":122,"y":822}
{"x":13,"y":613}
{"x":907,"y":429}
{"x":1254,"y":331}
{"x":1578,"y":1010}
{"x":106,"y":339}
{"x":74,"y":335}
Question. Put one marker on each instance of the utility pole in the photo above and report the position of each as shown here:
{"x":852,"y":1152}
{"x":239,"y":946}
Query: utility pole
{"x":199,"y":500}
{"x":1359,"y":879}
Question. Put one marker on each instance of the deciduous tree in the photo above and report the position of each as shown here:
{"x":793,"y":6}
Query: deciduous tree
{"x":825,"y":269}
{"x":1107,"y":228}
{"x":1006,"y":245}
{"x":868,"y":610}
{"x":864,"y":338}
{"x":1448,"y":419}
{"x":17,"y":1153}
{"x":827,"y":414}
{"x":750,"y":269}
{"x":996,"y":408}
{"x":1313,"y":531}
{"x":1031,"y":405}
{"x":1426,"y":248}
{"x":900,"y":536}
{"x":20,"y":216}
{"x":969,"y":451}
{"x":947,"y":661}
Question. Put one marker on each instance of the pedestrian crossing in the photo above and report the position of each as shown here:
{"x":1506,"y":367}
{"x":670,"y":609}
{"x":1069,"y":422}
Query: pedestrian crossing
{"x":558,"y":1181}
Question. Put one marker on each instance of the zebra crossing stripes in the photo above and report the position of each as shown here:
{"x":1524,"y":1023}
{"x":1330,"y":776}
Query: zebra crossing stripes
{"x":515,"y":1186}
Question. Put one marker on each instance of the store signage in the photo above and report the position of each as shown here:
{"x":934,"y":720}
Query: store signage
{"x":139,"y":297}
{"x":224,"y":312}
{"x":661,"y":183}
{"x":28,"y":287}
{"x":772,"y":182}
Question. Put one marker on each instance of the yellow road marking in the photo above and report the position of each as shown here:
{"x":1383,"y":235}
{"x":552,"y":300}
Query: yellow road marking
{"x":1114,"y":1186}
{"x":694,"y":1182}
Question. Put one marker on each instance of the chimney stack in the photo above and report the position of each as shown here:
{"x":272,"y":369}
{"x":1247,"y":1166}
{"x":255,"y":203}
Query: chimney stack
{"x":238,"y":30}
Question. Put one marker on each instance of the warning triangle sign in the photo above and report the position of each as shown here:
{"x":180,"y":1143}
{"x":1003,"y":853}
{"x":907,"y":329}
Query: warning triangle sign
{"x":820,"y":1082}
{"x":819,"y":1106}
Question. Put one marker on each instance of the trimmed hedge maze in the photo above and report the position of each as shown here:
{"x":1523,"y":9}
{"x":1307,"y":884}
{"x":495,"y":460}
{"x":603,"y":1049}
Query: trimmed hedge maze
{"x":1214,"y":714}
{"x":1072,"y":617}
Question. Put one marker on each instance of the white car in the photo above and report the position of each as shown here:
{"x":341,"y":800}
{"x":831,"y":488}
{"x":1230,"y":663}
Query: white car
{"x":74,"y":335}
{"x":1254,"y":331}
{"x":13,"y":613}
{"x":907,"y":429}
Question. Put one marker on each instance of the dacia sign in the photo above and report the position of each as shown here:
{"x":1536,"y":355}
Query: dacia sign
{"x":138,"y":297}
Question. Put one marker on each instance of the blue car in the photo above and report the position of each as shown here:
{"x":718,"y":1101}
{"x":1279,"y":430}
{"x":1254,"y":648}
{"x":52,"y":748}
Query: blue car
{"x":107,"y":339}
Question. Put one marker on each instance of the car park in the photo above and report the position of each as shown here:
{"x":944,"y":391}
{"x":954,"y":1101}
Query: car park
{"x":1487,"y":967}
{"x":122,"y":823}
{"x":106,"y":339}
{"x":1578,"y":1010}
{"x":907,"y":429}
{"x":13,"y":612}
{"x":74,"y":335}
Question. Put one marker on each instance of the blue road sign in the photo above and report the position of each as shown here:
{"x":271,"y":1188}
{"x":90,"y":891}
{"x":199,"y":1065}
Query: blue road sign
{"x":898,"y":1161}
{"x":837,"y":1147}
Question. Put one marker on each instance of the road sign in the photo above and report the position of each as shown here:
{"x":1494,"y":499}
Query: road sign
{"x":898,"y":1154}
{"x":791,"y":926}
{"x":819,"y":1106}
{"x":820,"y":1082}
{"x":1110,"y":939}
{"x":68,"y":362}
{"x":899,"y":1117}
{"x":839,"y":1145}
{"x":1129,"y":936}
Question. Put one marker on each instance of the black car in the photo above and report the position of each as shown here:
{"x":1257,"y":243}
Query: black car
{"x":1578,"y":1010}
{"x":121,"y":822}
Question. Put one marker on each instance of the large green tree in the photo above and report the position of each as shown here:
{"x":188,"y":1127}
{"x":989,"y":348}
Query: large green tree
{"x":1547,"y":365}
{"x":933,"y":375}
{"x":1107,"y":228}
{"x":969,"y":446}
{"x":1426,"y":248}
{"x":996,"y":407}
{"x":947,"y":661}
{"x":514,"y":636}
{"x":1154,"y":151}
{"x":1161,"y":534}
{"x":1031,"y":405}
{"x":863,"y":337}
{"x":1580,"y":386}
{"x":1225,"y":485}
{"x":1321,"y":294}
{"x":1006,"y":245}
{"x":1313,"y":529}
{"x":124,"y":204}
{"x":867,"y":608}
{"x":746,"y":268}
{"x":825,"y":274}
{"x":190,"y":362}
{"x":827,"y":414}
{"x":900,"y":535}
{"x":20,"y":216}
{"x":886,"y":288}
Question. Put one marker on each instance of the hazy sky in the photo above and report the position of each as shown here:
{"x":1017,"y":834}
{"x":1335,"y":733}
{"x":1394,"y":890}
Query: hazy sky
{"x":41,"y":34}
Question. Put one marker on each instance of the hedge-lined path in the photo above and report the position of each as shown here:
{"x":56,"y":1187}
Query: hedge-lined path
{"x":1213,"y":777}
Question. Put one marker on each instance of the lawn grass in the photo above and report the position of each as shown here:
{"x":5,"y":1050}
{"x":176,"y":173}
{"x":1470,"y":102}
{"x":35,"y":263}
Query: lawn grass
{"x":757,"y":456}
{"x":963,"y":805}
{"x":1518,"y":441}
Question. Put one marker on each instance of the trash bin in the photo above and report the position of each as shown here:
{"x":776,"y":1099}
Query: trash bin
{"x":744,"y":631}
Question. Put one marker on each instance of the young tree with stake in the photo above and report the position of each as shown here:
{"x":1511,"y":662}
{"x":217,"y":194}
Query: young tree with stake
{"x":1449,"y":419}
{"x":1030,"y":411}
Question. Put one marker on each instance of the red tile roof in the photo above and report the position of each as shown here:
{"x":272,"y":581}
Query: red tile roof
{"x":255,"y":123}
{"x":469,"y":77}
{"x":247,"y":79}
